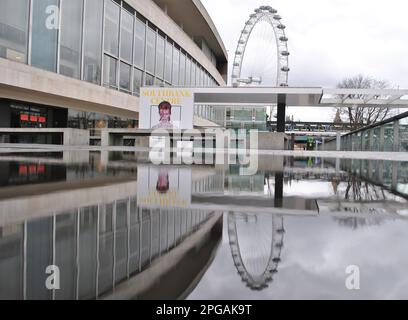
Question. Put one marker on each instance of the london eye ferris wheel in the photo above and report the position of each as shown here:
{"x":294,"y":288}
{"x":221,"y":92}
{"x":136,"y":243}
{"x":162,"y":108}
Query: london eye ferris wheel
{"x":262,"y":55}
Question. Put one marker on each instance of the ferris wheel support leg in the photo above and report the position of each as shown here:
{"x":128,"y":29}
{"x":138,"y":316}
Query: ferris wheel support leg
{"x":281,"y":113}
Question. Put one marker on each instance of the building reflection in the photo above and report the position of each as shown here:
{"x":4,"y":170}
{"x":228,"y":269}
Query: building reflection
{"x":390,"y":175}
{"x":96,"y":248}
{"x":114,"y":223}
{"x":93,"y":228}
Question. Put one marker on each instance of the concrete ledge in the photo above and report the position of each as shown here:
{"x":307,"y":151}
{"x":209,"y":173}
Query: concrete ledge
{"x":115,"y":137}
{"x":272,"y":141}
{"x":19,"y":81}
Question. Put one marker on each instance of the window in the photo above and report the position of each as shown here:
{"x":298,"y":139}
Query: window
{"x":182,"y":77}
{"x":201,"y":77}
{"x":126,"y":43}
{"x":150,"y":50}
{"x":65,"y":253}
{"x":112,"y":12}
{"x":93,"y":41}
{"x":88,"y":253}
{"x":158,"y":82}
{"x":109,"y":71}
{"x":44,"y":34}
{"x":71,"y":29}
{"x":193,"y":73}
{"x":149,"y":80}
{"x":137,"y":81}
{"x":125,"y":76}
{"x":139,"y":54}
{"x":176,"y":63}
{"x":188,"y":72}
{"x":160,"y":57}
{"x":197,"y":75}
{"x":403,"y":135}
{"x":13,"y":30}
{"x":168,"y":61}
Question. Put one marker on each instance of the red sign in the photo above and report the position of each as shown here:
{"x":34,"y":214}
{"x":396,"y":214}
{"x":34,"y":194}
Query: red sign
{"x":40,"y":169}
{"x":32,"y":169}
{"x":42,"y":119}
{"x":22,"y":170}
{"x":24,"y":117}
{"x":33,"y":118}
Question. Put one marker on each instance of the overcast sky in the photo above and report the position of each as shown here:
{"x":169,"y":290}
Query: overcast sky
{"x":329,"y":40}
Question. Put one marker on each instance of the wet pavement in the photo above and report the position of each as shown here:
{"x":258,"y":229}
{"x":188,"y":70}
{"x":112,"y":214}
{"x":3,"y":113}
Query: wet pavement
{"x":113,"y":225}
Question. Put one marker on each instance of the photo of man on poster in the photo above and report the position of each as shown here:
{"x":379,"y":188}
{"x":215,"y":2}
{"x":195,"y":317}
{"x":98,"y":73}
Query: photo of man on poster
{"x":165,"y":116}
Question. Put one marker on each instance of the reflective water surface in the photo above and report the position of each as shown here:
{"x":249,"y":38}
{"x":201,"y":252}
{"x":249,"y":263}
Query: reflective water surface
{"x":119,"y":227}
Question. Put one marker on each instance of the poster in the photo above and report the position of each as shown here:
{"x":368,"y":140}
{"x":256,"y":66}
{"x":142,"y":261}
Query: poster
{"x":163,"y":187}
{"x":166,"y":108}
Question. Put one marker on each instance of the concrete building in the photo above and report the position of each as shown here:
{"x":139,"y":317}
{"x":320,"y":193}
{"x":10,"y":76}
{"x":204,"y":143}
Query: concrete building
{"x":80,"y":63}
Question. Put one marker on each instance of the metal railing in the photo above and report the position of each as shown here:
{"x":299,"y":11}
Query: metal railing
{"x":390,"y":135}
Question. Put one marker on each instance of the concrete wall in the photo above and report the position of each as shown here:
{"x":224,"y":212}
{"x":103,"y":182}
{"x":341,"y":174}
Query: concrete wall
{"x":272,"y":141}
{"x":76,"y":137}
{"x":266,"y":140}
{"x":26,"y":83}
{"x":328,"y":146}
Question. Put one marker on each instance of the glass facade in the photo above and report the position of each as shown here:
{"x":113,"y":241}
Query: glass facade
{"x":102,"y":42}
{"x":234,"y":118}
{"x":96,"y":247}
{"x":125,"y":71}
{"x":403,"y":134}
{"x":137,"y":80}
{"x":126,"y":34}
{"x":109,"y":71}
{"x":14,"y":29}
{"x":44,"y":36}
{"x":112,"y":14}
{"x":176,"y":64}
{"x":168,"y":62}
{"x":160,"y":57}
{"x":140,"y":31}
{"x":71,"y":38}
{"x":150,"y":50}
{"x":93,"y":41}
{"x":182,"y":69}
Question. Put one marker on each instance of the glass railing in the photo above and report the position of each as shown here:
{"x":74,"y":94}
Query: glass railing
{"x":390,"y":135}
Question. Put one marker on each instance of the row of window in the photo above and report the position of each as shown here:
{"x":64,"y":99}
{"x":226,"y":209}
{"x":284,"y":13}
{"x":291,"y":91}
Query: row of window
{"x":104,"y":44}
{"x":93,"y":257}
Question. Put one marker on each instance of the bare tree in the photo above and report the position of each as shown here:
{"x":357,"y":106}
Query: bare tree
{"x":360,"y":116}
{"x":337,"y":117}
